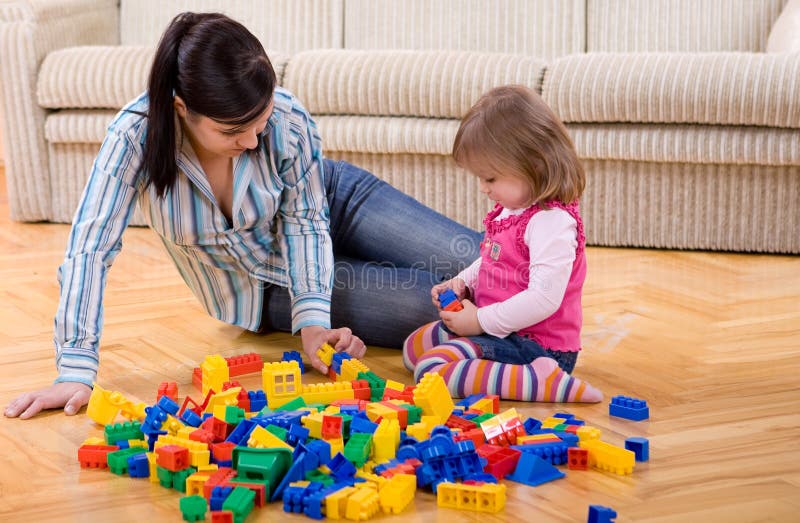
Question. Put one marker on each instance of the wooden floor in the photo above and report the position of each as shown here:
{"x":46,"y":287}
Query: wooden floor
{"x":711,"y":341}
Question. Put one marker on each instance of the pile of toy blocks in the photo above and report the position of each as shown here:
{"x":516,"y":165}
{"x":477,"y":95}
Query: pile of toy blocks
{"x":350,"y":448}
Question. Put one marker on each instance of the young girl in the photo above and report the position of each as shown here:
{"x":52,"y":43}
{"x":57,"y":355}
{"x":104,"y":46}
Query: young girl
{"x":519,"y":334}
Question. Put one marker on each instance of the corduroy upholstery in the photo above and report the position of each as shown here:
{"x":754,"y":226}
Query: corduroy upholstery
{"x":688,"y":130}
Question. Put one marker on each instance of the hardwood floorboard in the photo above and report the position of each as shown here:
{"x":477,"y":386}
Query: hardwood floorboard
{"x":710,"y":340}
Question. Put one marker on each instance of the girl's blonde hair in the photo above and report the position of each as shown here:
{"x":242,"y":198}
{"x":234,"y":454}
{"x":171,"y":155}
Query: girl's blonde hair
{"x":511,"y":131}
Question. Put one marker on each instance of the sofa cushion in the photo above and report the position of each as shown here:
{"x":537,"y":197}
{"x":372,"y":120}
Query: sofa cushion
{"x":679,"y":25}
{"x":288,"y":25}
{"x":387,"y":134}
{"x":101,"y":77}
{"x":684,"y":143}
{"x":540,"y":28}
{"x":437,"y":84}
{"x":705,"y":88}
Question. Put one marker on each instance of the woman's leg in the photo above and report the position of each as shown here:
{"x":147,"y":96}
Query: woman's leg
{"x":373,"y":221}
{"x":380,"y":304}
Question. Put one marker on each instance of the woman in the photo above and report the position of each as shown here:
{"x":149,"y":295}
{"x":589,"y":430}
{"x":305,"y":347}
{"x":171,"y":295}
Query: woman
{"x":229,"y":171}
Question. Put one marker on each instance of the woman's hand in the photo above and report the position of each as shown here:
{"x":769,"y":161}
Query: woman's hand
{"x":68,"y":394}
{"x":342,"y":340}
{"x":464,"y":322}
{"x":457,"y":285}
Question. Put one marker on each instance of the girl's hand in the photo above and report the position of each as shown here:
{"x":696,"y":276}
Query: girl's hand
{"x":342,"y":340}
{"x":457,"y":285}
{"x":464,"y":322}
{"x":68,"y":394}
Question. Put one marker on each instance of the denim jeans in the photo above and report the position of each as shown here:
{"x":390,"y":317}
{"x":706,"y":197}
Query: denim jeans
{"x":389,"y":251}
{"x":520,"y":350}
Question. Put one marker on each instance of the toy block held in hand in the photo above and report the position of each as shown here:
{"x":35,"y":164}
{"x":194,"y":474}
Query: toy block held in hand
{"x":449,"y":301}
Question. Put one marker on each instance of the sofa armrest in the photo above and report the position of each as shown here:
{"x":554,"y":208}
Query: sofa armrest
{"x":29,"y":30}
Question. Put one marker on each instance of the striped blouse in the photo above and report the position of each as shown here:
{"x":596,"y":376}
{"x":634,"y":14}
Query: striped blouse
{"x":278,"y":234}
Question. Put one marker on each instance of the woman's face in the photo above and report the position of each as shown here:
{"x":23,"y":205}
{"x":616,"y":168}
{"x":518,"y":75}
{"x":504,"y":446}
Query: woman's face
{"x":210,"y":138}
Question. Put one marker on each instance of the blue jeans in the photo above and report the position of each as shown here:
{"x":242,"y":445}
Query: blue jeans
{"x":520,"y":350}
{"x":389,"y":251}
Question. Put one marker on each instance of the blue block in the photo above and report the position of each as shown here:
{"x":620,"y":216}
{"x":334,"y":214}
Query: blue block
{"x":167,"y":404}
{"x":629,"y":408}
{"x":640,"y":447}
{"x":241,"y":433}
{"x":218,"y":497}
{"x":190,"y":418}
{"x":532,"y":425}
{"x":297,"y":435}
{"x":341,"y":467}
{"x":294,"y":355}
{"x":363,"y":425}
{"x":258,"y":400}
{"x":601,"y":514}
{"x":138,"y":466}
{"x":533,"y":470}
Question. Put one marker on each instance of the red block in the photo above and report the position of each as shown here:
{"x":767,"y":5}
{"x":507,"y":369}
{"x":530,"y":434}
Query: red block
{"x":172,"y":457}
{"x":457,"y":422}
{"x":202,"y":435}
{"x":499,"y":460}
{"x":361,"y":390}
{"x":244,"y":364}
{"x":95,"y":456}
{"x":168,"y":389}
{"x":222,"y":451}
{"x":259,"y":488}
{"x":577,"y":459}
{"x":221,"y":516}
{"x":331,"y":427}
{"x":476,"y":435}
{"x":217,"y":479}
{"x":217,"y":427}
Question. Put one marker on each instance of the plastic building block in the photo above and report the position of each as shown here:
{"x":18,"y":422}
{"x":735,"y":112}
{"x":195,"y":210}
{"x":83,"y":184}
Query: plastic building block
{"x":118,"y":460}
{"x":95,"y":456}
{"x":500,"y":460}
{"x":533,"y":470}
{"x":611,"y":458}
{"x":218,"y":497}
{"x":244,"y":364}
{"x":281,"y":382}
{"x":640,"y":448}
{"x":601,"y":514}
{"x":577,"y":459}
{"x":325,"y":393}
{"x":258,"y":400}
{"x":240,"y":502}
{"x":325,"y":353}
{"x":397,"y":493}
{"x":262,"y":438}
{"x":432,"y":396}
{"x":629,"y":408}
{"x":193,"y":508}
{"x":363,"y":504}
{"x":266,"y":466}
{"x":341,"y":468}
{"x":222,"y":516}
{"x":138,"y":466}
{"x":350,"y":369}
{"x":294,"y":355}
{"x":449,"y":301}
{"x":214,"y":373}
{"x":123,"y":432}
{"x":385,"y":440}
{"x":199,"y":455}
{"x":482,"y":498}
{"x":228,"y":397}
{"x":336,"y":362}
{"x":169,"y":389}
{"x":196,"y":482}
{"x":331,"y":427}
{"x":358,"y":448}
{"x":172,"y":457}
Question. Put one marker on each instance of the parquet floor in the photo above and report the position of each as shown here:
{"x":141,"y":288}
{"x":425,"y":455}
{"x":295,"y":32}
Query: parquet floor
{"x":710,"y":340}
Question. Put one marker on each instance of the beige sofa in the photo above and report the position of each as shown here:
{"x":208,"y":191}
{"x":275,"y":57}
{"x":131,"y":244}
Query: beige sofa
{"x":688,"y":130}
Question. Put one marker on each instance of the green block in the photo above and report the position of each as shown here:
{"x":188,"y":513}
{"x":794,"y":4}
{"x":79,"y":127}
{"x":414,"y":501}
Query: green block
{"x":267,"y":466}
{"x":346,"y":419}
{"x":320,"y":477}
{"x":264,"y":411}
{"x":277,"y":431}
{"x":179,"y":478}
{"x":193,"y":508}
{"x":562,"y":427}
{"x":483,"y":417}
{"x":240,"y":502}
{"x":233,"y":414}
{"x":118,"y":460}
{"x":123,"y":432}
{"x":414,"y":413}
{"x":295,"y":404}
{"x":165,"y":476}
{"x":358,"y":448}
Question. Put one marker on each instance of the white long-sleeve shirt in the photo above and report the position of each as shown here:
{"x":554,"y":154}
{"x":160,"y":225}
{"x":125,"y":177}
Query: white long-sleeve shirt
{"x":552,"y":240}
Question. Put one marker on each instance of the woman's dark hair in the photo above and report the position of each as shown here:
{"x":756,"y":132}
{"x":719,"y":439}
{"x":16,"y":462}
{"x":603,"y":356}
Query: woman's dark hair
{"x":218,"y":68}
